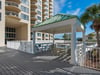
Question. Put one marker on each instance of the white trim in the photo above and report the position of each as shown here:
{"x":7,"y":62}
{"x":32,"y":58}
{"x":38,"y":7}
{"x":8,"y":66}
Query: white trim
{"x":57,"y":25}
{"x":54,"y":25}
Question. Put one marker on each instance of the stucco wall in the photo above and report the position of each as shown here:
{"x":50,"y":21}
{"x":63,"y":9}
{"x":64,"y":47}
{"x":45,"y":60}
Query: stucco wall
{"x":2,"y":23}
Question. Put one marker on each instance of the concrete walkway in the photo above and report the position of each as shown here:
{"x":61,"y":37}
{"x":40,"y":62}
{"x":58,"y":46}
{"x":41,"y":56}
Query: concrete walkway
{"x":14,"y":62}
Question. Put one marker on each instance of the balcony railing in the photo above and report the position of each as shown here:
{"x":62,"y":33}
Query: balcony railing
{"x":33,"y":17}
{"x":51,"y":7}
{"x":32,"y":9}
{"x":11,"y":3}
{"x":12,"y":13}
{"x":51,"y":2}
{"x":33,"y":2}
{"x":46,"y":8}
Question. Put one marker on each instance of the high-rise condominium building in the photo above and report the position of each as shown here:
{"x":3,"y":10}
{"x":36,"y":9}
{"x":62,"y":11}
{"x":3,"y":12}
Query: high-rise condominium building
{"x":17,"y":17}
{"x":14,"y":20}
{"x":40,"y":11}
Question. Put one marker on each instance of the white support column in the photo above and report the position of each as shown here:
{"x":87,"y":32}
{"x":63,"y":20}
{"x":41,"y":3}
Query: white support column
{"x":33,"y":42}
{"x":73,"y":45}
{"x":84,"y":48}
{"x":84,"y":39}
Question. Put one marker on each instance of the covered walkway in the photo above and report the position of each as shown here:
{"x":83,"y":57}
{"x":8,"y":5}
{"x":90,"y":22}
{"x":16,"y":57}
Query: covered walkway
{"x":61,"y":23}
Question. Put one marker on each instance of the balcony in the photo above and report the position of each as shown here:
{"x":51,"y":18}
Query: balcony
{"x":17,"y":1}
{"x":33,"y":18}
{"x":50,"y":0}
{"x":32,"y":25}
{"x":43,"y":14}
{"x":44,"y":4}
{"x":51,"y":11}
{"x":44,"y":10}
{"x":12,"y":14}
{"x":33,"y":12}
{"x":50,"y":7}
{"x":50,"y":3}
{"x":43,"y":0}
{"x":12,"y":6}
{"x":33,"y":5}
{"x":33,"y":0}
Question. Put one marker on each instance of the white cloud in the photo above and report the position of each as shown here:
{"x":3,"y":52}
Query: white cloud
{"x":74,"y":12}
{"x":58,"y":5}
{"x":62,"y":2}
{"x":69,"y":6}
{"x":69,"y":2}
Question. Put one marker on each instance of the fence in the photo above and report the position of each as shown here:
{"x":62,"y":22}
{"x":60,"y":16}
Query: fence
{"x":27,"y":47}
{"x":90,"y":57}
{"x":24,"y":46}
{"x":41,"y":47}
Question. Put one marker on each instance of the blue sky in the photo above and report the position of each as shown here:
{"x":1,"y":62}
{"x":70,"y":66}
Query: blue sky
{"x":74,"y":7}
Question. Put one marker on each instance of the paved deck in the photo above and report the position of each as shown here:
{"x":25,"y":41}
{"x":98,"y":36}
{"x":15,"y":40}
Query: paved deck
{"x":14,"y":62}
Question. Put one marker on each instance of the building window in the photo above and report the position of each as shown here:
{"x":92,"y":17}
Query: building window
{"x":0,"y":4}
{"x":38,"y":39}
{"x":26,"y":2}
{"x":10,"y":29}
{"x":46,"y":35}
{"x":38,"y":22}
{"x":39,"y":1}
{"x":25,"y":17}
{"x":32,"y":22}
{"x":51,"y":36}
{"x":39,"y":18}
{"x":0,"y":16}
{"x":10,"y":33}
{"x":38,"y":34}
{"x":38,"y":12}
{"x":25,"y":9}
{"x":39,"y":7}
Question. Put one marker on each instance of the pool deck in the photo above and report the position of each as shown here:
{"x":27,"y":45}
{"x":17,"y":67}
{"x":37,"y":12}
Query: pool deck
{"x":13,"y":62}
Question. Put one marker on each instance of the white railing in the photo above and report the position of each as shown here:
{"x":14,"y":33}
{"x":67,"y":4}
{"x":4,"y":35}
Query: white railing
{"x":92,"y":57}
{"x":88,"y":57}
{"x":33,"y":2}
{"x":24,"y":46}
{"x":44,"y":41}
{"x":27,"y":47}
{"x":41,"y":47}
{"x":33,"y":10}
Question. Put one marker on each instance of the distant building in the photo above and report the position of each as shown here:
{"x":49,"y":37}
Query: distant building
{"x":40,"y":11}
{"x":91,"y":36}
